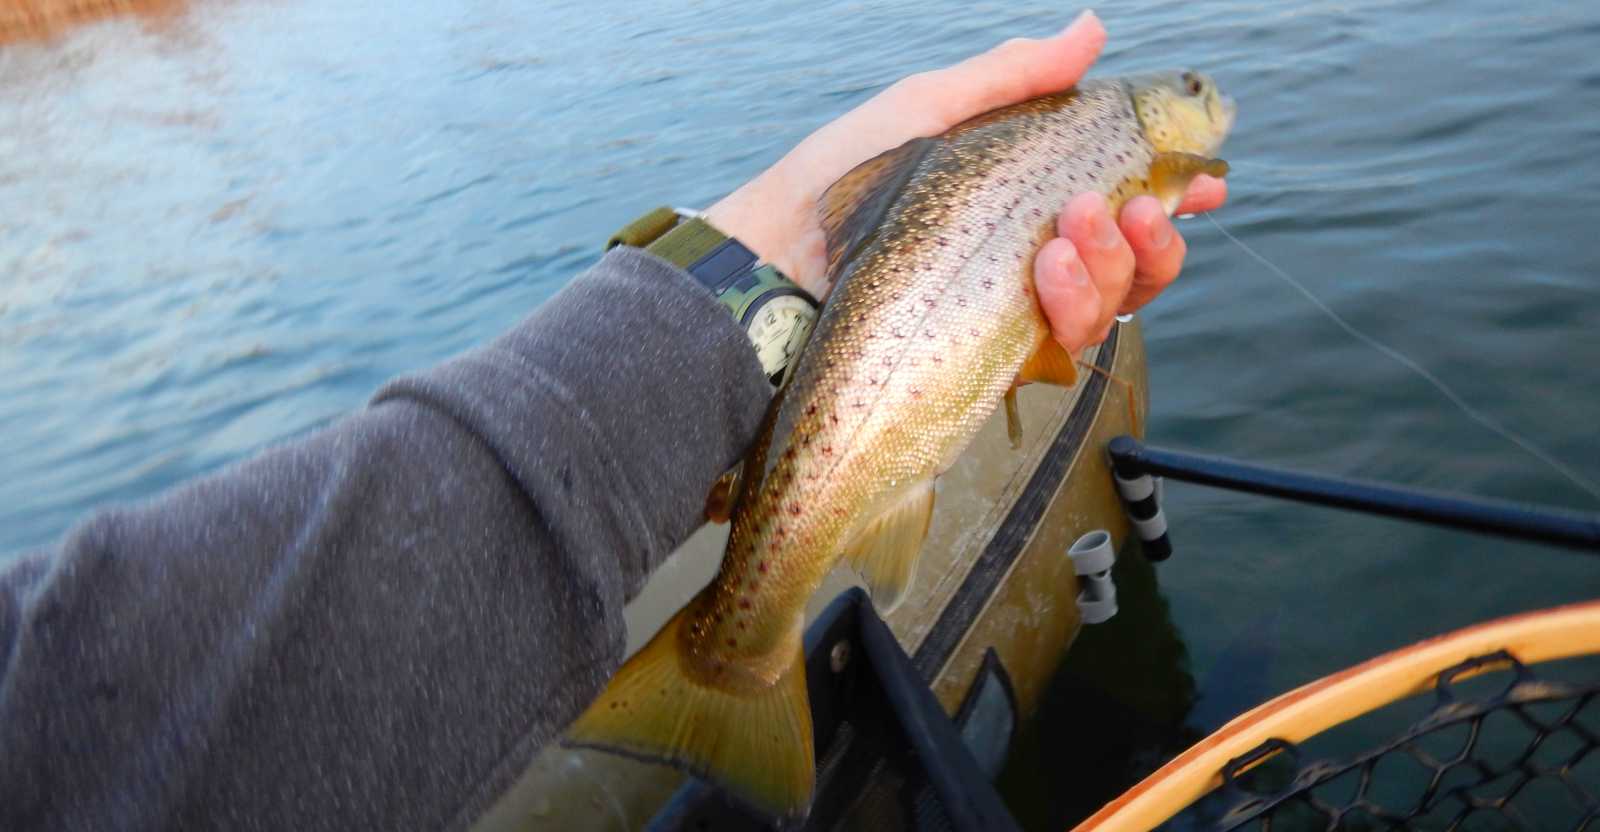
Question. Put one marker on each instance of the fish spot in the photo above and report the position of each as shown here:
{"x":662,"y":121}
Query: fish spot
{"x":961,"y":302}
{"x":733,"y":642}
{"x":794,"y":508}
{"x":762,"y":567}
{"x":744,"y":603}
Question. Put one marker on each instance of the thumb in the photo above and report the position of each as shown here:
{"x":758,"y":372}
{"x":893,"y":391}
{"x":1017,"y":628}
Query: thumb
{"x":1017,"y":70}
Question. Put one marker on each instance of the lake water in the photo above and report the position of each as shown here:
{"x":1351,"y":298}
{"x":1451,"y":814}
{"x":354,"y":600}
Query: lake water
{"x":223,"y":227}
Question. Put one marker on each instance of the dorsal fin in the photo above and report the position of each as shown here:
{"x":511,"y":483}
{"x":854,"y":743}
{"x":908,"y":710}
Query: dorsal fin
{"x":853,"y":207}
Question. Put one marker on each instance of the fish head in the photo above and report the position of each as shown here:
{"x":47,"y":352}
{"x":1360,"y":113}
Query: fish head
{"x":1182,"y":111}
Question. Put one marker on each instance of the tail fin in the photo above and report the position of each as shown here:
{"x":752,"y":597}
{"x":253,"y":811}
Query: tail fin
{"x":756,"y":744}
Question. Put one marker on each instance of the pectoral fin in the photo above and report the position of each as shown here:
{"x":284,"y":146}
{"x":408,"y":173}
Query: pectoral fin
{"x":1171,"y":173}
{"x":1049,"y":364}
{"x":885,"y":552}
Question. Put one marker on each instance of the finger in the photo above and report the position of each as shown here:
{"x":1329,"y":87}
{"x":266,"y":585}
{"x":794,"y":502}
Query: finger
{"x":1205,"y":193}
{"x":1013,"y":71}
{"x":1158,"y":250}
{"x":1088,"y":224}
{"x":1070,"y":301}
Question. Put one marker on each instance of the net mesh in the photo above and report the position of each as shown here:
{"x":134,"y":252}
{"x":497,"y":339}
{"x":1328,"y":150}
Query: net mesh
{"x":1515,"y":752}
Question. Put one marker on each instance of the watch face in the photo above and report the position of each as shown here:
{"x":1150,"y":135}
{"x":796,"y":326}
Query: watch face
{"x":779,"y":328}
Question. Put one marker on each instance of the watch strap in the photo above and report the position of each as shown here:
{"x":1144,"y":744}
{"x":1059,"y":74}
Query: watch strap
{"x":726,"y":267}
{"x":722,"y":264}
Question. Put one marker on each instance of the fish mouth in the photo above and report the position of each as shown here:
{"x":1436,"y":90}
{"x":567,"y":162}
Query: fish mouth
{"x":1230,"y":112}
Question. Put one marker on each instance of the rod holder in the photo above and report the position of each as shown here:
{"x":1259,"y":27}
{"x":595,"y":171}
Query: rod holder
{"x":1092,"y":559}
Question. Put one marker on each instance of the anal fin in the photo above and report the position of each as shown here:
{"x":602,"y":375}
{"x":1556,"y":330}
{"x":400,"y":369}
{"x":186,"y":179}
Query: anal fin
{"x":885,"y":552}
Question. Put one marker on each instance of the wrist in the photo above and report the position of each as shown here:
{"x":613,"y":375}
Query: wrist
{"x":774,"y":311}
{"x":759,"y":216}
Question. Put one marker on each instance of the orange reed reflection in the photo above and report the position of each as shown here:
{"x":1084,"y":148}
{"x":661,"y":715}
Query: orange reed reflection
{"x":31,"y":19}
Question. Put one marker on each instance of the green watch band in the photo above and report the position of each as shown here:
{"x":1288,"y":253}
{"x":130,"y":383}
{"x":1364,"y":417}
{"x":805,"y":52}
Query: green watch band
{"x":719,"y":262}
{"x":668,"y":235}
{"x":775,"y":312}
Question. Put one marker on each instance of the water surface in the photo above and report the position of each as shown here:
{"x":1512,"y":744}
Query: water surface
{"x":225,"y":228}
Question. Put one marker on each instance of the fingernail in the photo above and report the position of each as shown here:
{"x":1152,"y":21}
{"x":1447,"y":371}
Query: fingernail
{"x":1077,"y":275}
{"x":1105,"y":231}
{"x":1160,"y":234}
{"x":1082,"y":19}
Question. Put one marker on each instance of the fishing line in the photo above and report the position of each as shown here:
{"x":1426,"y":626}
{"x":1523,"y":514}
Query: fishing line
{"x":1471,"y":412}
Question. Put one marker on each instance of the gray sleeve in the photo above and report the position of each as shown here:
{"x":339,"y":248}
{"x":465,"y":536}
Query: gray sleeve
{"x":378,"y":626}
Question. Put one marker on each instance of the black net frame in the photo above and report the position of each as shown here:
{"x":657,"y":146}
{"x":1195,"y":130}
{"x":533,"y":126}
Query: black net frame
{"x":1270,"y":788}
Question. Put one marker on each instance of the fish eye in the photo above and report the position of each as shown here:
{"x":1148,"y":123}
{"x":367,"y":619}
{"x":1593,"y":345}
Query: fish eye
{"x":1193,"y":83}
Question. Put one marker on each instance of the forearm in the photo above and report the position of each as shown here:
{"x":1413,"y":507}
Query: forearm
{"x":380,"y":624}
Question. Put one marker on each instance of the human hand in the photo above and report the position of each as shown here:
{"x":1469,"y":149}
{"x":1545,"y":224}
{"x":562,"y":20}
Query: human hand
{"x":1098,"y":267}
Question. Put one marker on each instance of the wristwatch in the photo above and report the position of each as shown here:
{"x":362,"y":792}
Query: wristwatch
{"x":777,"y":314}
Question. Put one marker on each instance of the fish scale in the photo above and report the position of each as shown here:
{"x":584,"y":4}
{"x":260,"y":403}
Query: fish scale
{"x":914,"y":350}
{"x":933,"y":319}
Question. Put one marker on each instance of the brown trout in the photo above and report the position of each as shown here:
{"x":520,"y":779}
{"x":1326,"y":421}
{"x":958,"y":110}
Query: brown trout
{"x":931,"y":324}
